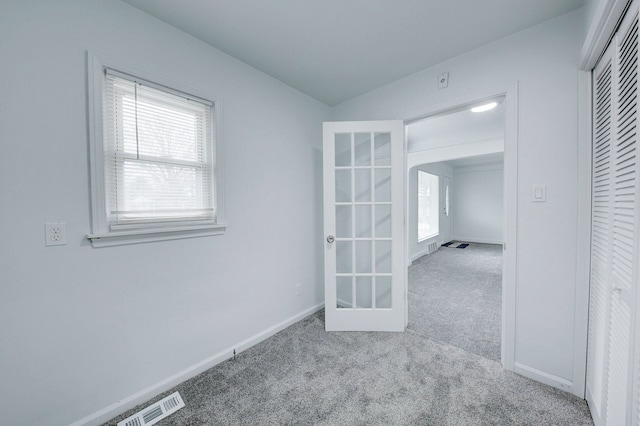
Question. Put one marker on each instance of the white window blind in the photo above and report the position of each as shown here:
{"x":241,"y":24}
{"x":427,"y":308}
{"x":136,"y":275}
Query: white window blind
{"x":158,"y":154}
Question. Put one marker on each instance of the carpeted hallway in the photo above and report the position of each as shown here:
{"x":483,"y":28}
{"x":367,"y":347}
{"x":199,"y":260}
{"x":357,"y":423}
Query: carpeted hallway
{"x":455,"y":297}
{"x":306,"y":376}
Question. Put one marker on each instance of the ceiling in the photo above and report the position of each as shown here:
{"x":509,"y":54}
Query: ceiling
{"x":477,"y":160}
{"x":334,"y":50}
{"x":456,"y":128}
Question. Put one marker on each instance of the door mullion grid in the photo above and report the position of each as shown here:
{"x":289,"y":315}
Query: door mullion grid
{"x":353,"y":223}
{"x":373,"y":220}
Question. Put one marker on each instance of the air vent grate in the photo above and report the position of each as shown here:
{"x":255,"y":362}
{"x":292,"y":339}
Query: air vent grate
{"x":431,"y":247}
{"x":156,"y":412}
{"x":170,"y":404}
{"x":151,"y":414}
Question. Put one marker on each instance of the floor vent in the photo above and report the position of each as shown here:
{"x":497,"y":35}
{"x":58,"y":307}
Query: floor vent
{"x":156,"y":412}
{"x":431,"y":247}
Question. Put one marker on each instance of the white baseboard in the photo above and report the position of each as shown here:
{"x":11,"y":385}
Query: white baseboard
{"x":424,"y":251}
{"x":417,"y":256}
{"x":146,"y":394}
{"x":542,"y":377}
{"x":476,"y":240}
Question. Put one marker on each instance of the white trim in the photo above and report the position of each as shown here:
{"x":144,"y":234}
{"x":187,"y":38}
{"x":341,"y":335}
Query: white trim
{"x":489,"y":167}
{"x":429,"y":237}
{"x":542,"y":377}
{"x":146,"y":394}
{"x":509,"y":265}
{"x":110,"y":239}
{"x":597,"y":421}
{"x":417,"y":256}
{"x":583,"y":242}
{"x":453,"y":152}
{"x":605,"y":20}
{"x":405,"y":223}
{"x":475,"y":240}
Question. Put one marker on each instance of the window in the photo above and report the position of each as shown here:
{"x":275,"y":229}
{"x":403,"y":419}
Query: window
{"x":447,"y":203}
{"x":154,"y":161}
{"x":428,"y":217}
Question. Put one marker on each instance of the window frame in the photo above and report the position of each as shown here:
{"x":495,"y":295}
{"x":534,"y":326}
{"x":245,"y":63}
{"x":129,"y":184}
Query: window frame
{"x":437,"y":209}
{"x":102,"y":234}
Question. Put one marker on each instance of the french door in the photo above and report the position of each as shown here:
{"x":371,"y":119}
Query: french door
{"x":364,"y":224}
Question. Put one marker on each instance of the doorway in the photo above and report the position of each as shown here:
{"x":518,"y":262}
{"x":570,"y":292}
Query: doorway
{"x":464,"y":150}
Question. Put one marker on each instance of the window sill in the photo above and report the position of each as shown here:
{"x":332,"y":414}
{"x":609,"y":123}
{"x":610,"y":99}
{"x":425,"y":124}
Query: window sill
{"x":428,"y":237}
{"x":109,"y":239}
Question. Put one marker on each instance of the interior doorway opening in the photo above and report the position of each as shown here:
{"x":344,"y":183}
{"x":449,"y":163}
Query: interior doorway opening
{"x":455,"y":288}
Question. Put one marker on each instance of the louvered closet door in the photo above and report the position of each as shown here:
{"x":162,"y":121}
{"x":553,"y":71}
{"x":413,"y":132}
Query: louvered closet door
{"x":624,"y":180}
{"x":611,"y":391}
{"x":600,"y":236}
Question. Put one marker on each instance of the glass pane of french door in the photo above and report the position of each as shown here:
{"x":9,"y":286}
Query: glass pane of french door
{"x":363,"y":218}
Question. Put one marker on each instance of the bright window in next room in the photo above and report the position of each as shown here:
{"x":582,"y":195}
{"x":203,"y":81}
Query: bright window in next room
{"x":428,"y":218}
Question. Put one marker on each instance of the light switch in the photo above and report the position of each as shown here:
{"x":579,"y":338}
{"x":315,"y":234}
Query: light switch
{"x":539,"y":193}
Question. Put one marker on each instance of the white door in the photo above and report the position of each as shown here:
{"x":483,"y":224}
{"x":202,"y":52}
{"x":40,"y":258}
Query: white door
{"x":615,"y":231}
{"x":601,"y":235}
{"x":364,"y":224}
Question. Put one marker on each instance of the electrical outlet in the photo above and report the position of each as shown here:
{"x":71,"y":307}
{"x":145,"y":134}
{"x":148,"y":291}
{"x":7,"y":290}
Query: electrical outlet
{"x":55,"y":234}
{"x":298,"y":289}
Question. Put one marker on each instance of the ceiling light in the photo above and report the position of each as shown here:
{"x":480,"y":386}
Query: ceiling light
{"x":485,"y":107}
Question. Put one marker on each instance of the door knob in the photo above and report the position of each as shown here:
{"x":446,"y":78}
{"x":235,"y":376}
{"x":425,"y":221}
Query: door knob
{"x":330,"y":239}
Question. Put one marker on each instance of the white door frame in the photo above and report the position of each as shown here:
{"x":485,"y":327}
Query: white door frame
{"x":510,"y":94}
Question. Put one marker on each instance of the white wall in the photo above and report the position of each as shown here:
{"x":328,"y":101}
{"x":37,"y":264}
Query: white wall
{"x":543,"y":60}
{"x":477,"y":203}
{"x":590,"y":7}
{"x":83,"y":328}
{"x":419,"y":248}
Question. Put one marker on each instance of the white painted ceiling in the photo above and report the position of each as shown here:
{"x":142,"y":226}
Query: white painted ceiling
{"x":477,"y":160}
{"x":457,"y":127}
{"x":334,"y":50}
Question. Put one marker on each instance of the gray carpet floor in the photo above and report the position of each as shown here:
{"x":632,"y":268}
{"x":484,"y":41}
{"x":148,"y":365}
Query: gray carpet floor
{"x":306,"y":376}
{"x":455,"y":297}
